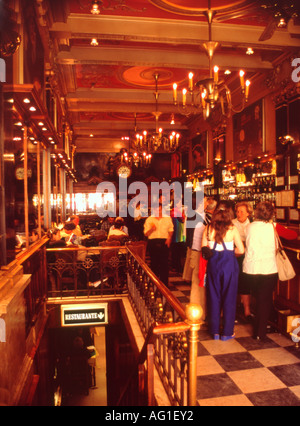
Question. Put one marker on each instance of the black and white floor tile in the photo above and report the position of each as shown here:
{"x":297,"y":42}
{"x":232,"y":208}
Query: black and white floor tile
{"x":243,"y":371}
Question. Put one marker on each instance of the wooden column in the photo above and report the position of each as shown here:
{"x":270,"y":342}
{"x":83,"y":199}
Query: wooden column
{"x":26,"y":202}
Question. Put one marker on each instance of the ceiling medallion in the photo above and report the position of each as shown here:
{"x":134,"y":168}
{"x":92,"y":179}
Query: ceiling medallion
{"x":196,"y":7}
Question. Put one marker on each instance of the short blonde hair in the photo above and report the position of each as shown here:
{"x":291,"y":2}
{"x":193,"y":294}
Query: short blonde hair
{"x":248,"y":206}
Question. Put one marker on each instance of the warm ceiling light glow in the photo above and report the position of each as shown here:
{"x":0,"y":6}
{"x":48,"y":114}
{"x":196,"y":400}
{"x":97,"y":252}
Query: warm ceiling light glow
{"x":41,"y":124}
{"x":26,"y":101}
{"x":249,"y":51}
{"x":95,"y":10}
{"x":282,"y":23}
{"x":32,"y":109}
{"x":94,"y":42}
{"x":212,"y":92}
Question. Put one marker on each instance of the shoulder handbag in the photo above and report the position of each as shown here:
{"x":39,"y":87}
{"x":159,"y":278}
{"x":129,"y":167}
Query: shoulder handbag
{"x":285,"y":269}
{"x":207,"y":252}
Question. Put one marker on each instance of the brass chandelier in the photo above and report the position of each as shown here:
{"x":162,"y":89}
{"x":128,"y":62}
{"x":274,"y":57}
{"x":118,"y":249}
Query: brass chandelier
{"x":207,"y":95}
{"x":158,"y":140}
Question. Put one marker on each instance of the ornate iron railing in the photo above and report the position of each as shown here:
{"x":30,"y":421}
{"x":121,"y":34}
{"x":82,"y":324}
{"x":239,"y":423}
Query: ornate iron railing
{"x":108,"y":271}
{"x":77,"y":272}
{"x":176,"y":341}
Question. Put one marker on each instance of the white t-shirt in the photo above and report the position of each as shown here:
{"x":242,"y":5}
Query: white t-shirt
{"x":242,"y":227}
{"x":164,"y":226}
{"x":198,"y":234}
{"x":260,"y":256}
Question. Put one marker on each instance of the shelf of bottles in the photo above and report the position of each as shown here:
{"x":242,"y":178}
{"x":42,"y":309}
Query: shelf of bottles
{"x":203,"y":180}
{"x":250,"y":181}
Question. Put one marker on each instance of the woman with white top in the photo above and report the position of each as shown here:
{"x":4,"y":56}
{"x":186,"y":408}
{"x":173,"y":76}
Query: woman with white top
{"x":222,"y":273}
{"x":260,"y":265}
{"x":243,"y":211}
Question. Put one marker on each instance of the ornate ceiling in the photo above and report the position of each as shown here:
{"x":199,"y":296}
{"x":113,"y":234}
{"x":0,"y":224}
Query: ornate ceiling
{"x":106,"y":86}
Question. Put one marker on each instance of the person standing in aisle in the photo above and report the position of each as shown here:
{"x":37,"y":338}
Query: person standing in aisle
{"x":178,"y":240}
{"x":243,"y":212}
{"x":198,"y":289}
{"x":159,"y":231}
{"x":222,"y":273}
{"x":260,"y":265}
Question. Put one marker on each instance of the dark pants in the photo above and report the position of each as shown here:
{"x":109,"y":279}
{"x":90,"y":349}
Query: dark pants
{"x":159,"y":259}
{"x":262,"y":288}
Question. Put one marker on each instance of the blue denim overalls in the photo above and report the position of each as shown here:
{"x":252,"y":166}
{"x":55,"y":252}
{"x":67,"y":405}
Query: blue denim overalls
{"x":222,"y":288}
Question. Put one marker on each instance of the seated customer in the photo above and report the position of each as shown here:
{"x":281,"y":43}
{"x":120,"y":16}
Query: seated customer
{"x":107,"y":223}
{"x":118,"y":229}
{"x":55,"y":240}
{"x":69,"y":235}
{"x":75,"y":219}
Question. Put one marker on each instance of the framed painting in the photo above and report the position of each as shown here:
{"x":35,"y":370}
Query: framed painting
{"x":248,"y":132}
{"x":199,"y":152}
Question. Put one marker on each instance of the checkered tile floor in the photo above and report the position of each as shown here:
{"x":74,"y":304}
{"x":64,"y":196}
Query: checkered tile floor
{"x":244,"y":372}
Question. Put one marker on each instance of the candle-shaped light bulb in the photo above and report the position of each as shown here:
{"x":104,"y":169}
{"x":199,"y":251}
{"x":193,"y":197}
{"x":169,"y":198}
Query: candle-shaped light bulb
{"x":160,"y":130}
{"x":175,"y":93}
{"x":184,"y":92}
{"x":191,"y":81}
{"x":242,"y":79}
{"x":216,"y":74}
{"x":203,"y":96}
{"x":145,"y":135}
{"x":248,"y":82}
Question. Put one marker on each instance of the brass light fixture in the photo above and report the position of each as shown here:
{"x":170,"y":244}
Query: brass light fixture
{"x":157,"y":140}
{"x":210,"y":93}
{"x":95,"y":8}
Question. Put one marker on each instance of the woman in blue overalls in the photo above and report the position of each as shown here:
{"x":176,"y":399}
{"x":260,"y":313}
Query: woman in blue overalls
{"x":222,"y":273}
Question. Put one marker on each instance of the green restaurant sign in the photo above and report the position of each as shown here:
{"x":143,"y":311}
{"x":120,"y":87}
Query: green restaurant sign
{"x":84,"y":314}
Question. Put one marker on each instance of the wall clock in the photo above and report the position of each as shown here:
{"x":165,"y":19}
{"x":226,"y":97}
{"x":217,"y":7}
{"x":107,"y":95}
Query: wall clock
{"x":124,"y":171}
{"x":19,"y":173}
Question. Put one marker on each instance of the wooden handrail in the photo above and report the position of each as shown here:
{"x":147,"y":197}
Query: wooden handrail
{"x":172,"y":328}
{"x":147,"y":351}
{"x":294,"y":250}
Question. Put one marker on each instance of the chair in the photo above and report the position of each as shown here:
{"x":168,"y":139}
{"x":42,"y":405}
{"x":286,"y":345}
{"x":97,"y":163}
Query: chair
{"x":139,"y":248}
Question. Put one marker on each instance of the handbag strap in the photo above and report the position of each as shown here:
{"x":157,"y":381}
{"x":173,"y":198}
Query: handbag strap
{"x":208,"y":226}
{"x":277,"y":239}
